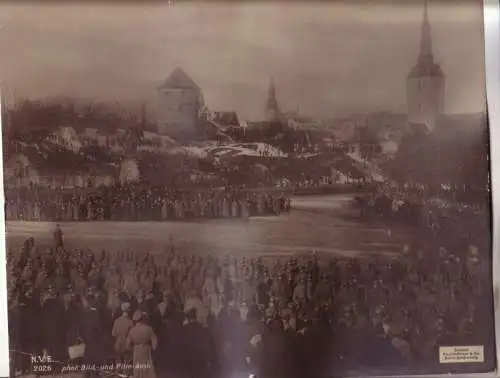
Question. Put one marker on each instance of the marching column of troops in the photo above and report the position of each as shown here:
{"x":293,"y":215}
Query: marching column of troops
{"x":142,"y":205}
{"x":179,"y":315}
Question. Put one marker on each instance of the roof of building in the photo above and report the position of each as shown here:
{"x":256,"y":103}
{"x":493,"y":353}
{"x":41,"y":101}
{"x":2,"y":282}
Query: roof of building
{"x":426,"y":70}
{"x":179,"y":79}
{"x":226,"y":118}
{"x":256,"y":124}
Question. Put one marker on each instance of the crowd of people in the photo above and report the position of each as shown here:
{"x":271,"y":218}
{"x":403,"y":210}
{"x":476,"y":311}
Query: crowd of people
{"x":141,"y":204}
{"x":179,"y":315}
{"x":420,"y":207}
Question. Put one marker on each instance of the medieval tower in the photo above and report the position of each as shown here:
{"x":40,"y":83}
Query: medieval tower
{"x":425,"y":83}
{"x":272,"y":111}
{"x":180,"y":103}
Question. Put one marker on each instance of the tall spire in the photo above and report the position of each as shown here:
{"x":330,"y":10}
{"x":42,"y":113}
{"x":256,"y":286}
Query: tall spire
{"x":272,"y":107}
{"x":426,"y":55}
{"x":272,"y":90}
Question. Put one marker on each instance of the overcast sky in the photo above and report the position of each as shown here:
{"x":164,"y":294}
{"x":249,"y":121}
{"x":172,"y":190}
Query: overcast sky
{"x":328,"y":59}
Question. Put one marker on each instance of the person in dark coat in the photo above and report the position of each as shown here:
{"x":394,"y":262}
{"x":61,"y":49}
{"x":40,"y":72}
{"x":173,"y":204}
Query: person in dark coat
{"x":384,"y":354}
{"x":277,"y":354}
{"x":194,"y":347}
{"x":233,"y":341}
{"x":53,"y":320}
{"x":318,"y":349}
{"x":263,"y":292}
{"x":74,"y":314}
{"x":91,"y":333}
{"x":30,"y":332}
{"x":58,"y":238}
{"x":292,"y":342}
{"x":171,"y":354}
{"x":375,"y":348}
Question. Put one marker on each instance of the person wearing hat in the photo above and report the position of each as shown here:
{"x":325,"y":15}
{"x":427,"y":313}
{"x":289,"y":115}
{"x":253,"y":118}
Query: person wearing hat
{"x":121,"y":329}
{"x":143,"y":342}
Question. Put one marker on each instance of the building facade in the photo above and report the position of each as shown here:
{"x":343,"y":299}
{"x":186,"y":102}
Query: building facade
{"x":67,"y":138}
{"x":19,"y":172}
{"x":426,"y":82}
{"x":180,"y":104}
{"x":129,"y":172}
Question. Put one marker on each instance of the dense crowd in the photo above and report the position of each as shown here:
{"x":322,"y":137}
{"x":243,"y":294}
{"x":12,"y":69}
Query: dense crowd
{"x":180,"y":315}
{"x":141,"y":204}
{"x":434,"y":215}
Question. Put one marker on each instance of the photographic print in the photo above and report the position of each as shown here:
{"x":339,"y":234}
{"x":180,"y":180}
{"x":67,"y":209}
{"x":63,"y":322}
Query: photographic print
{"x":246,"y":189}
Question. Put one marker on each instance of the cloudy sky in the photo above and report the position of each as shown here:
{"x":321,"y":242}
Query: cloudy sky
{"x":327,"y":59}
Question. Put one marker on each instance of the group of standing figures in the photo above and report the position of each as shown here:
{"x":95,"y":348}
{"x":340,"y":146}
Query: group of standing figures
{"x":144,"y":205}
{"x":439,"y":218}
{"x":179,"y":315}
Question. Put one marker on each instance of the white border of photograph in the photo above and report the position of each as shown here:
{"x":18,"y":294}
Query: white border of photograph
{"x":4,"y":327}
{"x":492,"y":61}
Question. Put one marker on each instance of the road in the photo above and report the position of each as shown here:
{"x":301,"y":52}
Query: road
{"x":324,"y":224}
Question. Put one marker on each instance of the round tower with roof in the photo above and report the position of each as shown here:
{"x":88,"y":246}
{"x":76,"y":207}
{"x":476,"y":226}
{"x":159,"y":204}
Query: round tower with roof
{"x":426,"y":82}
{"x":180,"y":103}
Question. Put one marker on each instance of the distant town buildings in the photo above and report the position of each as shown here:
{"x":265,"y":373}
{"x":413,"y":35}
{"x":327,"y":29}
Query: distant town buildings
{"x":129,"y":171}
{"x":298,"y":121}
{"x":183,"y":116}
{"x":227,"y":120}
{"x":425,"y":83}
{"x":19,"y":172}
{"x":67,"y":138}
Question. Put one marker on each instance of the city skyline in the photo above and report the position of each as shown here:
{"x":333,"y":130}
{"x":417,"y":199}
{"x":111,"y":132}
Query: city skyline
{"x":327,"y":59}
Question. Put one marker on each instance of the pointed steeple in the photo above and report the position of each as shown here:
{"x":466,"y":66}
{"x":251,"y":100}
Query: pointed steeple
{"x":426,"y":67}
{"x":426,"y":55}
{"x":272,"y":89}
{"x":425,"y":83}
{"x":272,"y":107}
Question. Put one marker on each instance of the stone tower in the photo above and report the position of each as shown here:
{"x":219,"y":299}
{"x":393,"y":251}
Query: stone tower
{"x":273,"y":112}
{"x":180,"y":102}
{"x":425,"y":83}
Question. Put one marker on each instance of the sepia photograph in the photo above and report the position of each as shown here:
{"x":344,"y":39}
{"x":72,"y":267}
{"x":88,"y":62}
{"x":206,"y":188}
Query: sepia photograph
{"x":246,"y":189}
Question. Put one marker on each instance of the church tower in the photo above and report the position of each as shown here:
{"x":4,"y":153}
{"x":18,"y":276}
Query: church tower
{"x":425,"y":83}
{"x":273,"y":112}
